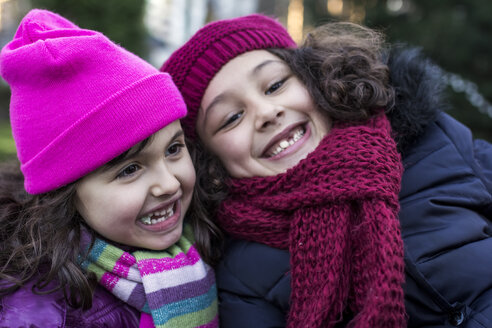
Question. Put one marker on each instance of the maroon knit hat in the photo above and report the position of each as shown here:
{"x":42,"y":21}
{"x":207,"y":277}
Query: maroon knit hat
{"x":193,"y":66}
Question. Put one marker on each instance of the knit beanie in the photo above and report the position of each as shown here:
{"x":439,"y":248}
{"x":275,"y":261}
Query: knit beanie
{"x":195,"y":64}
{"x":78,"y":100}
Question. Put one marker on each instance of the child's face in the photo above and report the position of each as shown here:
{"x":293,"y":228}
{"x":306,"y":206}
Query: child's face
{"x":142,"y":200}
{"x":258,"y":118}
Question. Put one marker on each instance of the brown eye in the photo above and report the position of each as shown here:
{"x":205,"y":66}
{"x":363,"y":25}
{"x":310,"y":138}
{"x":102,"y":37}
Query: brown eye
{"x":174,"y":149}
{"x":275,"y":86}
{"x":232,"y":119}
{"x":128,"y":171}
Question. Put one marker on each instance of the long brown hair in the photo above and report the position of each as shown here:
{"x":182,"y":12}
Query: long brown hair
{"x":40,"y":237}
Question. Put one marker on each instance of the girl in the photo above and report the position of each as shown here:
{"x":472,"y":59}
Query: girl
{"x":312,"y":180}
{"x":103,"y":236}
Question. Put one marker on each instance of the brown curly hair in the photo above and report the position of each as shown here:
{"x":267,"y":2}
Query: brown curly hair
{"x":342,"y":67}
{"x":341,"y":64}
{"x":40,"y":237}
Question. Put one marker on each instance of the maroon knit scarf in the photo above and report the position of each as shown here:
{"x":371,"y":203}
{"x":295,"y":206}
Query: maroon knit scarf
{"x":336,"y":212}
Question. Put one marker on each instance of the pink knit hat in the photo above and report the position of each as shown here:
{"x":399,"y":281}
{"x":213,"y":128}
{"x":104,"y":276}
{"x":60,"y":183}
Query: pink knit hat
{"x":195,"y":64}
{"x":78,"y":100}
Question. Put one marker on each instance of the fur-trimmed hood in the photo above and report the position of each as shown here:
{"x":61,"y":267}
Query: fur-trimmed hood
{"x":419,"y":92}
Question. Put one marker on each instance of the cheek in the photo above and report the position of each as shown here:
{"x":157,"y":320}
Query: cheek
{"x":233,"y":147}
{"x":104,"y":208}
{"x":304,"y":99}
{"x":84,"y":202}
{"x":92,"y":210}
{"x":305,"y":103}
{"x":189,"y":177}
{"x":92,"y":207}
{"x":299,"y":95}
{"x":185,"y":173}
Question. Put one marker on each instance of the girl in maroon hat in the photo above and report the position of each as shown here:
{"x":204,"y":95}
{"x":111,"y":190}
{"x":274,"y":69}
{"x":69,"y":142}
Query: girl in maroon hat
{"x":302,"y":151}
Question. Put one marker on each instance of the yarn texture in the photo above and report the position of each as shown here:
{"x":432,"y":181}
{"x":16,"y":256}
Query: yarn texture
{"x":336,"y":212}
{"x":174,"y":286}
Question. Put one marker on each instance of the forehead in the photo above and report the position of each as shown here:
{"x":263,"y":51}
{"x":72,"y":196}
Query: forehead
{"x":244,"y":66}
{"x":250,"y":57}
{"x":244,"y":63}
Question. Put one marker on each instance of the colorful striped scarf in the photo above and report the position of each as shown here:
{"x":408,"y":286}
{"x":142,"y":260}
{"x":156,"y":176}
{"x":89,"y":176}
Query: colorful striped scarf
{"x":175,"y":286}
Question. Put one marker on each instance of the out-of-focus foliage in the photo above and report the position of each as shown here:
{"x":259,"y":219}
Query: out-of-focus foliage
{"x":120,"y":20}
{"x":453,"y":33}
{"x":7,"y":146}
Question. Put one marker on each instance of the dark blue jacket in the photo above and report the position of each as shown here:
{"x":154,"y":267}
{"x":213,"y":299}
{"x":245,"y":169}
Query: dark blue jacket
{"x":445,"y":216}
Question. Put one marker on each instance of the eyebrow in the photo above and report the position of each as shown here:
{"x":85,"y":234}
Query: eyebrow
{"x":223,"y":95}
{"x":128,"y":155}
{"x":260,"y":66}
{"x":178,"y":134}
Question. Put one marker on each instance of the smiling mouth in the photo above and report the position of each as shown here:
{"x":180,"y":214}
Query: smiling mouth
{"x":158,"y":216}
{"x":283,"y":144}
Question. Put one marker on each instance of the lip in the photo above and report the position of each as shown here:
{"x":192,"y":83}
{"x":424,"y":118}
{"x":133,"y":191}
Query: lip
{"x":284,"y":134}
{"x":167,"y":224}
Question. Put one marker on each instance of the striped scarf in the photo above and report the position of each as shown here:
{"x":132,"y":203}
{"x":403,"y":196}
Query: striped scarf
{"x":175,"y":286}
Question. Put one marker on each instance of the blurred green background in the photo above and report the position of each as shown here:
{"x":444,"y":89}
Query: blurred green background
{"x":453,"y":33}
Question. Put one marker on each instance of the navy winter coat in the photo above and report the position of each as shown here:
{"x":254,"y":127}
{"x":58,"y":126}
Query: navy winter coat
{"x":445,"y":216}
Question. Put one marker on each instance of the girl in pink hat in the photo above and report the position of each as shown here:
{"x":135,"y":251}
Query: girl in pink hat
{"x":302,"y":156}
{"x":99,"y":225}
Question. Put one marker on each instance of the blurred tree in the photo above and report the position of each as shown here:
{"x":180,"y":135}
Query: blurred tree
{"x":119,"y":20}
{"x":4,"y":102}
{"x":453,"y":33}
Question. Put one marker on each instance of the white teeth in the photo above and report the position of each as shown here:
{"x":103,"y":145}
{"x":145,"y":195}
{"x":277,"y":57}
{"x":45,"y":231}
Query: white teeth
{"x":146,"y":220}
{"x":159,"y":216}
{"x":284,"y":144}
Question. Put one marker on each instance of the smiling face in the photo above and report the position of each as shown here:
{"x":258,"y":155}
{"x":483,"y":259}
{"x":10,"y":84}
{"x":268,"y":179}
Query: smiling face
{"x":141,"y":200}
{"x":258,"y":118}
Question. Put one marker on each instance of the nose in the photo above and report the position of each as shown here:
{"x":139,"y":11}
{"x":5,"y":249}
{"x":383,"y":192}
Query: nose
{"x":268,"y":115}
{"x":163,"y":182}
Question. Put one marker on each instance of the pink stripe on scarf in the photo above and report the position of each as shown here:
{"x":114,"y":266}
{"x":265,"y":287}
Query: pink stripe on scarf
{"x":109,"y":280}
{"x":150,"y":266}
{"x":122,"y":266}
